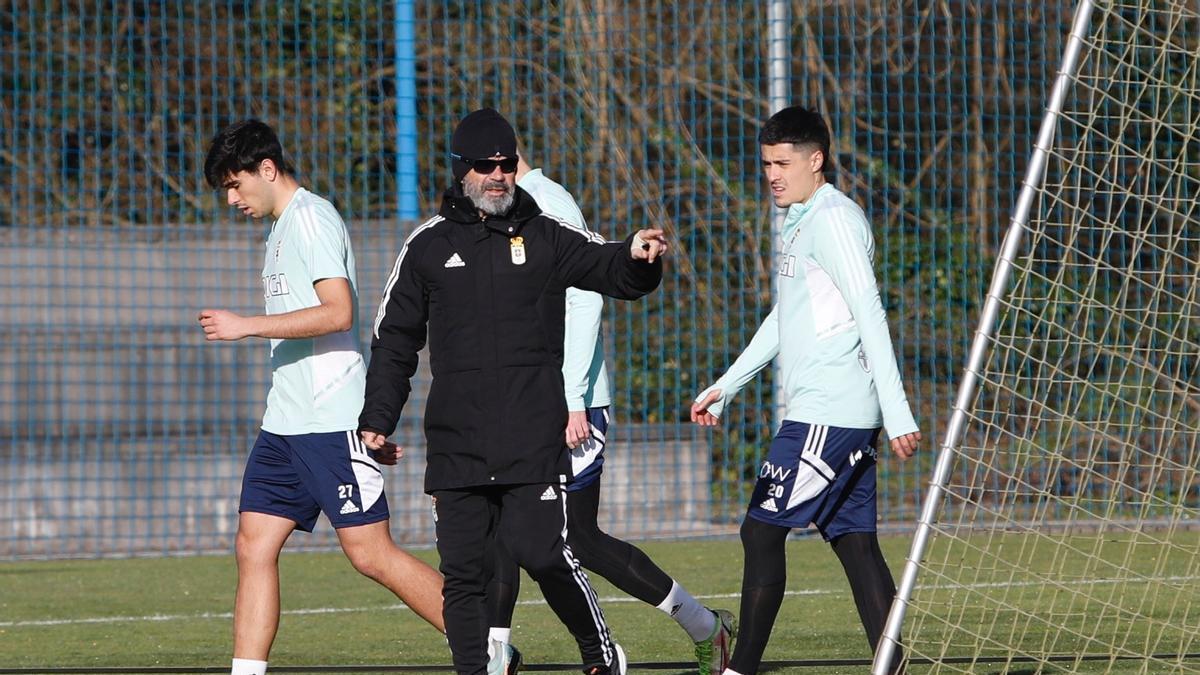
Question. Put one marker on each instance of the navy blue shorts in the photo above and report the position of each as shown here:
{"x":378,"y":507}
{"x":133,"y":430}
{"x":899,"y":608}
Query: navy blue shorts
{"x":587,"y":459}
{"x":297,"y":477}
{"x":819,"y":475}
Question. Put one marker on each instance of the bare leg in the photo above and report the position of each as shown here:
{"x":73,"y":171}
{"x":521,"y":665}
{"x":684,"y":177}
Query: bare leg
{"x":373,"y":553}
{"x":260,"y":537}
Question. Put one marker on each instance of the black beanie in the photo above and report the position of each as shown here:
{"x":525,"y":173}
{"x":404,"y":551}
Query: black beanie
{"x":482,"y":134}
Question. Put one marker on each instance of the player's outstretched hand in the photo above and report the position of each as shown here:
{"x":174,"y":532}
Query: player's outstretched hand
{"x":648,"y":245}
{"x":904,"y":446}
{"x":219,"y":324}
{"x":389,"y":454}
{"x":578,"y":429}
{"x":700,"y":413}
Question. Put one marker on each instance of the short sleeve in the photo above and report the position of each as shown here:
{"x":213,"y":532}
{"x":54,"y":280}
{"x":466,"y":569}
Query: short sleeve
{"x":324,"y":242}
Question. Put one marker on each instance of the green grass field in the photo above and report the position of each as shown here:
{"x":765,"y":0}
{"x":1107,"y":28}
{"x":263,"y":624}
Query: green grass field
{"x":175,"y":612}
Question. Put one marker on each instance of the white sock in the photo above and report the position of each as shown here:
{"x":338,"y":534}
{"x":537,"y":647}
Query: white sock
{"x":248,"y":667}
{"x":499,"y":634}
{"x":730,"y":671}
{"x":695,"y":618}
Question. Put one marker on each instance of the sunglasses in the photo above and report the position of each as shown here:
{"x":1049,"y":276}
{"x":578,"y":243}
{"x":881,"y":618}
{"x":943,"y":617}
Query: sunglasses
{"x":486,"y":166}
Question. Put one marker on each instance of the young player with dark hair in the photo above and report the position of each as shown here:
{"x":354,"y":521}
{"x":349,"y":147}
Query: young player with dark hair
{"x":307,"y":458}
{"x":842,"y":385}
{"x":588,"y":398}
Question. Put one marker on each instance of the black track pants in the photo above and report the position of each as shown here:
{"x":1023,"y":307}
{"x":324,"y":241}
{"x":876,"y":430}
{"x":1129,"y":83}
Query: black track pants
{"x":528,"y":521}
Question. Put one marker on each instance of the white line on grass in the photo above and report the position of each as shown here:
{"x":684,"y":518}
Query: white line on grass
{"x":313,"y":610}
{"x":608,"y":600}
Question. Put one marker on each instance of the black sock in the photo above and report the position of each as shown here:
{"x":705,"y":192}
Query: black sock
{"x":870,"y":581}
{"x":502,"y":590}
{"x":764,"y":578}
{"x":621,"y":563}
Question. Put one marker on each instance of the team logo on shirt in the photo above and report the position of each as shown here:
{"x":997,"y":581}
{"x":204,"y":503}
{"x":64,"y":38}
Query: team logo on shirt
{"x":862,"y":360}
{"x":455,"y":261}
{"x":275,"y":285}
{"x":787,"y":265}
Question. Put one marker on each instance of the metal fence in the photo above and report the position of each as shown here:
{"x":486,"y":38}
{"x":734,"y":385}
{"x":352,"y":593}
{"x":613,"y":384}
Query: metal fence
{"x":122,"y":432}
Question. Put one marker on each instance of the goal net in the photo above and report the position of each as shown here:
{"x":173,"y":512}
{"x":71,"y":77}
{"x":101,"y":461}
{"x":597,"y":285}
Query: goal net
{"x":1061,"y":530}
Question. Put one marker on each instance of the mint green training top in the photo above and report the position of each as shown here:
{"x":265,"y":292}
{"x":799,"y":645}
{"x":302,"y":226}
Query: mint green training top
{"x":317,"y":383}
{"x":828,"y":327}
{"x":584,"y":374}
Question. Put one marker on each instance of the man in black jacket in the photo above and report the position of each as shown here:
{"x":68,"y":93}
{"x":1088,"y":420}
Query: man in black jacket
{"x":486,"y":278}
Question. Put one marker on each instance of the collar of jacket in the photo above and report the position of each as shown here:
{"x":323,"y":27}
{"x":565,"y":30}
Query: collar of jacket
{"x":459,"y":208}
{"x":796,"y":213}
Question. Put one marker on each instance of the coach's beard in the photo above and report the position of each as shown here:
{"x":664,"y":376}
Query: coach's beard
{"x":492,"y":206}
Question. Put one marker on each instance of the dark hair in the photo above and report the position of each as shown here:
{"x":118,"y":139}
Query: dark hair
{"x":799,"y":126}
{"x":242,"y":146}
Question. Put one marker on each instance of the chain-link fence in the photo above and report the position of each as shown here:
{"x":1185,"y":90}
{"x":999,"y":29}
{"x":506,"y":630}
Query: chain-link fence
{"x":122,"y":431}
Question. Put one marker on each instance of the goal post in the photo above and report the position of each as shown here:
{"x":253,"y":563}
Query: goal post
{"x":1060,"y":528}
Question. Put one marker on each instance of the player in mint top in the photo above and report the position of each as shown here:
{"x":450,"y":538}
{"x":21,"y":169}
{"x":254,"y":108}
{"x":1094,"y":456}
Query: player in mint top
{"x":841,"y":381}
{"x":316,"y":382}
{"x":308,"y":457}
{"x":588,"y":398}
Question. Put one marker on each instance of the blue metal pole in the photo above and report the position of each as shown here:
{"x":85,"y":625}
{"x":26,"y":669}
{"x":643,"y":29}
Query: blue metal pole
{"x":406,"y":114}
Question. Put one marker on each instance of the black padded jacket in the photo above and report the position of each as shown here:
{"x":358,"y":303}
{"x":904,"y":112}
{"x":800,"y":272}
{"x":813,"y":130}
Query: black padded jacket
{"x":490,"y":296}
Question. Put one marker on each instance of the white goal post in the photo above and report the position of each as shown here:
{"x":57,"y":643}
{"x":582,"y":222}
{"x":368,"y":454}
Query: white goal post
{"x":1061,"y":528}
